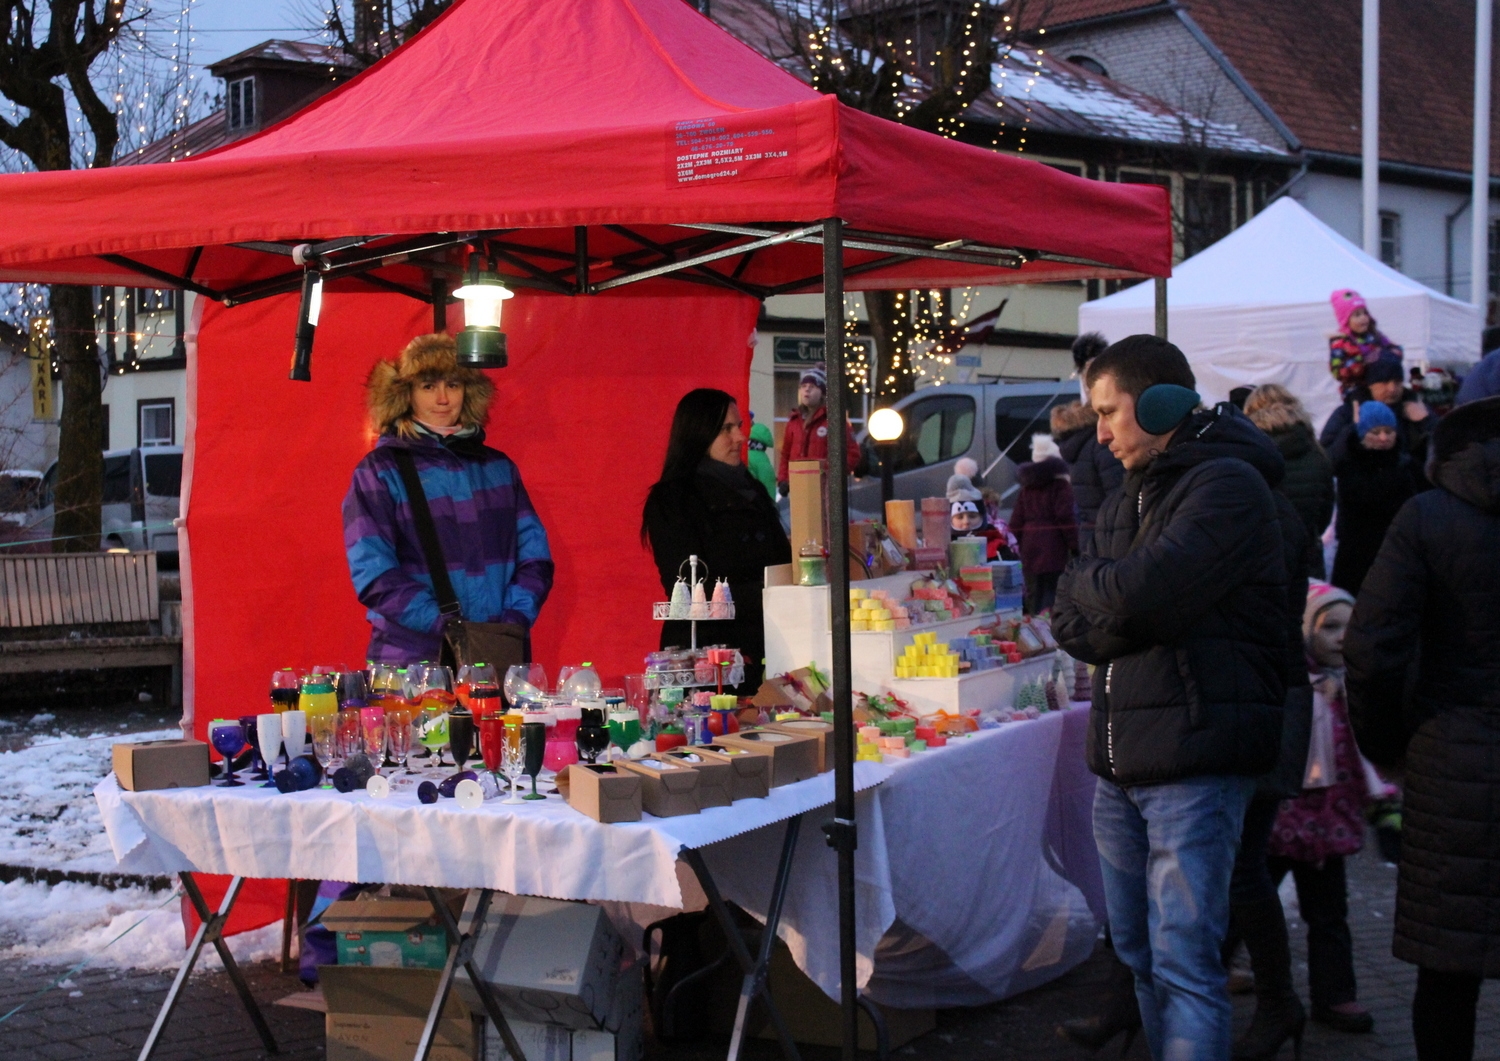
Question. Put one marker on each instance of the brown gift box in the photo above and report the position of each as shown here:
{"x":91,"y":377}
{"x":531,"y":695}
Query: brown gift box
{"x":667,"y":788}
{"x":378,"y":1014}
{"x":811,"y":727}
{"x":750,"y":776}
{"x":714,"y":777}
{"x":602,"y":792}
{"x":152,"y":764}
{"x":793,"y":757}
{"x":805,"y":498}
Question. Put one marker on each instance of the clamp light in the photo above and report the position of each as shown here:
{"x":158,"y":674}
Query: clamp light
{"x":307,"y":325}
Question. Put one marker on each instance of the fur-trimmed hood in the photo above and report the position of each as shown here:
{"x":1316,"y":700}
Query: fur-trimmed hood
{"x":1040,"y":473}
{"x":1069,"y":418}
{"x":427,"y":357}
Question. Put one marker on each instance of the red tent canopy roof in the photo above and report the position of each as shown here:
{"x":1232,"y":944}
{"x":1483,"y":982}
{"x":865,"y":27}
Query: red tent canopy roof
{"x":627,"y":117}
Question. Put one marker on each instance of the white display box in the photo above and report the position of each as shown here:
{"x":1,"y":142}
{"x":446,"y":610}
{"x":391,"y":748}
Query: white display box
{"x":985,"y":690}
{"x":798,"y":631}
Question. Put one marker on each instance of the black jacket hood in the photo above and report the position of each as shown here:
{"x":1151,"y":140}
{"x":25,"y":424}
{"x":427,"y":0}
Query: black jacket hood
{"x":1211,"y":434}
{"x":1472,"y":474}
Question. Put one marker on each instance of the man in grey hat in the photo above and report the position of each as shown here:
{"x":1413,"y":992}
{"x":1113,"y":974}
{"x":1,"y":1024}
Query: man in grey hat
{"x":806,"y":437}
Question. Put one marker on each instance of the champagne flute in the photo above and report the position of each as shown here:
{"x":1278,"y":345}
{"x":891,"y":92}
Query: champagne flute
{"x":258,"y":770}
{"x":268,"y":732}
{"x":348,"y":740}
{"x":398,"y":737}
{"x":461,"y":734}
{"x":228,"y":739}
{"x":325,"y":732}
{"x":492,"y":744}
{"x":513,"y":762}
{"x":294,"y":734}
{"x":372,"y":725}
{"x":534,"y":742}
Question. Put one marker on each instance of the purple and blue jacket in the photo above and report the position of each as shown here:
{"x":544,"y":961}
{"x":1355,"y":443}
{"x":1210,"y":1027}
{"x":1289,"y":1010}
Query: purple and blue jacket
{"x":493,"y":543}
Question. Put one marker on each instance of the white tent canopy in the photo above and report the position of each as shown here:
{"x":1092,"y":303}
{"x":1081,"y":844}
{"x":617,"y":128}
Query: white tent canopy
{"x":1253,"y":309}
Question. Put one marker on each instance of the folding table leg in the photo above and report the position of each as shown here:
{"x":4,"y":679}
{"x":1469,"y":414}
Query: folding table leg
{"x":210,"y":930}
{"x":461,"y":952}
{"x":756,"y":969}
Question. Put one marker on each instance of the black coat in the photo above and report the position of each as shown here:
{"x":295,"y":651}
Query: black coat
{"x":738,"y":535}
{"x":1285,"y":780}
{"x":1308,"y":484}
{"x":1338,"y":435}
{"x":1183,"y":599}
{"x":1372,"y":487}
{"x":1094,"y":470}
{"x":1431,"y":605}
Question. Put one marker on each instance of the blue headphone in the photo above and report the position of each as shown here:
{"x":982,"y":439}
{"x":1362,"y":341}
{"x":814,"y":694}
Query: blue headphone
{"x":1163,"y":406}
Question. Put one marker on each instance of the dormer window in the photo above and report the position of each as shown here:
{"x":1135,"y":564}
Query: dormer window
{"x":242,"y":103}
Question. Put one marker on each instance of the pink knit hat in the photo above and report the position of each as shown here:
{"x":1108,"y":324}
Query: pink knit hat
{"x":1345,"y":301}
{"x":1321,"y":595}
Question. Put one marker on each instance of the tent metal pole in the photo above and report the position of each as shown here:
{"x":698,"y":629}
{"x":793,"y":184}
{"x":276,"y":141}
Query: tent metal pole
{"x":841,"y":830}
{"x":1161,"y":307}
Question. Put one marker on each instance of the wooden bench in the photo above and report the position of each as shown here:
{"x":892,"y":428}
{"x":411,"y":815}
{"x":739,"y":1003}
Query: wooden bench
{"x":86,"y":611}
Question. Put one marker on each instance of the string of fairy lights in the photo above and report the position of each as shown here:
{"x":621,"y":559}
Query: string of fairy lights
{"x":927,"y":335}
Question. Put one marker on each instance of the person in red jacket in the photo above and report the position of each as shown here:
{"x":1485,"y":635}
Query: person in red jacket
{"x":1045,"y":522}
{"x":806,"y":435}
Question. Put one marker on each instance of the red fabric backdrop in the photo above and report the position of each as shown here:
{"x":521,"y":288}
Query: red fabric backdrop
{"x":583,"y":409}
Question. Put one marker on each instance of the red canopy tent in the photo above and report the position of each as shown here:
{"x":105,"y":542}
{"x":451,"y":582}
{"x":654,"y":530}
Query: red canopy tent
{"x":625,"y":149}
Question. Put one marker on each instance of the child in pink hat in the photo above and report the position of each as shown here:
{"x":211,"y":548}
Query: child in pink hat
{"x":1358,"y":344}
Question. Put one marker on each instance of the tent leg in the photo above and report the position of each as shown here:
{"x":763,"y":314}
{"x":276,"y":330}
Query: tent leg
{"x":841,"y":830}
{"x":1161,"y":307}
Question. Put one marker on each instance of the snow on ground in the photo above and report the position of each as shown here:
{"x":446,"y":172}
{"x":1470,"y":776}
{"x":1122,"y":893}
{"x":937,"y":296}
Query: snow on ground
{"x":64,"y":924}
{"x":48,"y":817}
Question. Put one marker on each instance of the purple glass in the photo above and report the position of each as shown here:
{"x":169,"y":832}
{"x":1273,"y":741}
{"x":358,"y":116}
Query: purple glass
{"x":228,"y":739}
{"x":258,"y":769}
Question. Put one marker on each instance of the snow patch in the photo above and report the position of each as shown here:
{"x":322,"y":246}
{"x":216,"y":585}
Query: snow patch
{"x":65,"y":924}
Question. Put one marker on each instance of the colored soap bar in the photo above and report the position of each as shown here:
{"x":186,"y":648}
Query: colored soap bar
{"x":869,"y":733}
{"x":898,"y":753}
{"x":937,"y":741}
{"x":917,"y":746}
{"x":925,"y":732}
{"x":905,"y":725}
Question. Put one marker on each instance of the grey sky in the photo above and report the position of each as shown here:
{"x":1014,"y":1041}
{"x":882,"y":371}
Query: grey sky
{"x":223,"y":27}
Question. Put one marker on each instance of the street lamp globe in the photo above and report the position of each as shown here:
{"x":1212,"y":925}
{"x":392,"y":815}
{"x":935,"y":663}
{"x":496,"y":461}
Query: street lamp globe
{"x":886,"y":425}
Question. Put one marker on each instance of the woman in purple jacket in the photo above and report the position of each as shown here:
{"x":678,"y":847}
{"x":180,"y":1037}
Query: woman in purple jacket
{"x":493,"y":545}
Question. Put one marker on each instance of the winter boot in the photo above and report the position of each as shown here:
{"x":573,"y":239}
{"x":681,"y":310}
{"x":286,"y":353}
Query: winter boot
{"x":1118,"y":1012}
{"x":1279,"y":1015}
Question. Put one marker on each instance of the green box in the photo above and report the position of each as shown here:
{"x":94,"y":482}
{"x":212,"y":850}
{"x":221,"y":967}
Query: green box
{"x":389,"y":933}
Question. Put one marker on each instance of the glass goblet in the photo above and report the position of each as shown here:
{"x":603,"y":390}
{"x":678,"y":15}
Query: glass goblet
{"x":228,"y":739}
{"x":294,"y":734}
{"x":286,"y":687}
{"x":268,"y":732}
{"x":492,"y":744}
{"x":525,"y":681}
{"x":534,"y":742}
{"x":461,"y":735}
{"x":592,"y":737}
{"x":513,"y":763}
{"x":325,"y":732}
{"x":372,"y":729}
{"x":258,"y":770}
{"x":398,"y":737}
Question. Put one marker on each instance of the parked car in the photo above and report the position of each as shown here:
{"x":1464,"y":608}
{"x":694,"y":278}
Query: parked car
{"x":142,"y":496}
{"x":990,"y":422}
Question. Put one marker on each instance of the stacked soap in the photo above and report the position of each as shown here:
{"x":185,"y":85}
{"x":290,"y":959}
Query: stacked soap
{"x":927,"y":657}
{"x":979,"y":651}
{"x":978,"y":583}
{"x":875,"y":610}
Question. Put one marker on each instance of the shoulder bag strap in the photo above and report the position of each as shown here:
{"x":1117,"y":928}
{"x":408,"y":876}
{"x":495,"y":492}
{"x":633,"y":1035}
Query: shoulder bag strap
{"x":442,"y":587}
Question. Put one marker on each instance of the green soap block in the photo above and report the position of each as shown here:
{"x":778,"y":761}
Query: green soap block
{"x":826,"y":716}
{"x":905,"y":725}
{"x":917,"y":745}
{"x":888,"y":727}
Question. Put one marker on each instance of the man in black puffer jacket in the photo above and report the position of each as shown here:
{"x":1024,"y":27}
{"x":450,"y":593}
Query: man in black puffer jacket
{"x":1431,"y":604}
{"x":1181,"y":602}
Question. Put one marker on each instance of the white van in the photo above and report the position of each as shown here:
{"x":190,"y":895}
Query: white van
{"x":141,"y":499}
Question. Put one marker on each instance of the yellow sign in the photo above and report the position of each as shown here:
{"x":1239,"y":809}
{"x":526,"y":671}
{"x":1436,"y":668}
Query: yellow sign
{"x":39,"y":351}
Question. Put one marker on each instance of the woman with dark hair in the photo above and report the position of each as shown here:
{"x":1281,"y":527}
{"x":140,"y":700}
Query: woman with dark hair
{"x":706,"y":504}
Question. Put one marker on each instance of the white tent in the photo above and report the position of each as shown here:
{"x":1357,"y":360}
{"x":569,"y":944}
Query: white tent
{"x":1253,"y":309}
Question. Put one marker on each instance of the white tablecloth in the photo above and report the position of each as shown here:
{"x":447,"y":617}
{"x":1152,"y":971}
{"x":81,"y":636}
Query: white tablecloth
{"x":977,"y":875}
{"x":976,"y":868}
{"x":535,"y":848}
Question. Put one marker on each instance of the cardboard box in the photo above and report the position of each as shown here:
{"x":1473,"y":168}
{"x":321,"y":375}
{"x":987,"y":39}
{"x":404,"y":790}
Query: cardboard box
{"x":618,"y":1040}
{"x":751,"y":771}
{"x":811,"y":727}
{"x":602,"y":792}
{"x":387,"y":933}
{"x":152,"y":764}
{"x":668,"y":788}
{"x":805,"y":497}
{"x":379,"y":1014}
{"x":548,"y":961}
{"x":793,"y":757}
{"x":714,"y":776}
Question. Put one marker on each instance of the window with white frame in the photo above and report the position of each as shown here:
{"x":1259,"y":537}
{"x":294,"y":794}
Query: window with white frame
{"x":241,"y":103}
{"x":1390,"y":238}
{"x":157,"y":422}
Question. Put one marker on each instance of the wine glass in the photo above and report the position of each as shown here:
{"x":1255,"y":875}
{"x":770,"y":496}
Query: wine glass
{"x":348,"y":740}
{"x":592,"y":737}
{"x":461,"y":735}
{"x":228,"y":739}
{"x":294,"y":734}
{"x":258,"y":770}
{"x":372,"y":726}
{"x":286,"y":686}
{"x":534,"y":743}
{"x":385,"y":680}
{"x":268,"y":733}
{"x":353,"y":688}
{"x":325,"y":732}
{"x":398,"y":737}
{"x":525,"y":681}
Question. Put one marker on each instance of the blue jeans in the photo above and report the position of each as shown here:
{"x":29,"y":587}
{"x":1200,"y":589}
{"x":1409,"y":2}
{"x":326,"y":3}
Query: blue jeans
{"x":1167,"y":852}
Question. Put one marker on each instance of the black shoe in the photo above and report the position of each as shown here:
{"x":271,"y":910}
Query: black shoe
{"x":1355,"y":1023}
{"x":1094,"y":1033}
{"x":1119,"y":1012}
{"x":1279,"y":1015}
{"x":1270,"y":1028}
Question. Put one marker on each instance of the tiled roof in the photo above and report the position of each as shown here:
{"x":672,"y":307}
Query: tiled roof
{"x":189,"y":142}
{"x":1060,"y":12}
{"x":1041,"y":93}
{"x":294,"y":52}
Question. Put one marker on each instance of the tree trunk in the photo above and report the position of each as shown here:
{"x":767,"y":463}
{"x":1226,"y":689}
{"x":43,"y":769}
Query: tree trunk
{"x":80,"y":470}
{"x":890,"y":327}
